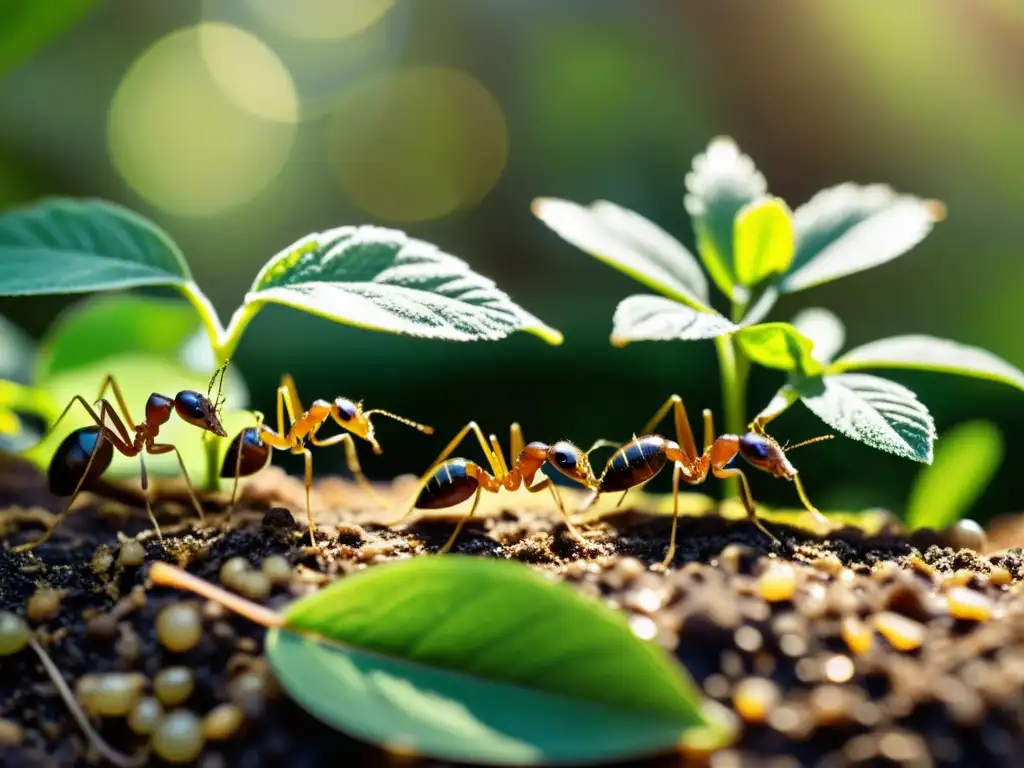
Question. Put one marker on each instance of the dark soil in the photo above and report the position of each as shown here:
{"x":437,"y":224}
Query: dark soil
{"x":849,"y":651}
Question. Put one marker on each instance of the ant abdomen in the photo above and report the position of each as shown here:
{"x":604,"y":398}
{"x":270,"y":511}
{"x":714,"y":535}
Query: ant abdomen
{"x":451,"y":483}
{"x":72,"y":457}
{"x":636,"y":462}
{"x":255,"y":454}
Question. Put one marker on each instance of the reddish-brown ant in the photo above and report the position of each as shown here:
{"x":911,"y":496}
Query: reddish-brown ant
{"x":451,"y":481}
{"x":642,"y":458}
{"x":85,"y":453}
{"x":250,"y":451}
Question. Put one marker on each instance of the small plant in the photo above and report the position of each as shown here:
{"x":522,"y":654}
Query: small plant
{"x":479,"y":661}
{"x":755,"y":249}
{"x":367,"y":276}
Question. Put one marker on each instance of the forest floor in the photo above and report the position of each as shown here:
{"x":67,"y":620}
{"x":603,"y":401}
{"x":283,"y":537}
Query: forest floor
{"x":855,"y":649}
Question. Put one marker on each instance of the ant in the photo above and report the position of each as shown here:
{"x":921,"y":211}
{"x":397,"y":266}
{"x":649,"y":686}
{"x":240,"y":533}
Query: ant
{"x":642,"y":458}
{"x":86,"y":453}
{"x":451,"y":481}
{"x":250,"y":451}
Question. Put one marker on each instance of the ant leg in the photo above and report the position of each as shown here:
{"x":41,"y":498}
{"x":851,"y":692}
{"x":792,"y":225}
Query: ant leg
{"x":159,"y":448}
{"x":287,"y":400}
{"x":502,"y":468}
{"x":351,"y":459}
{"x":309,"y":483}
{"x":684,"y":434}
{"x":819,"y":518}
{"x":462,"y":521}
{"x":238,"y":467}
{"x":109,"y":381}
{"x":145,"y":495}
{"x":748,"y":498}
{"x":516,"y":442}
{"x":709,"y":429}
{"x":677,"y":470}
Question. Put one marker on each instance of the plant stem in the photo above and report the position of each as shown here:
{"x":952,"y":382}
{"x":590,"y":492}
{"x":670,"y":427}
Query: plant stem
{"x":734,"y":368}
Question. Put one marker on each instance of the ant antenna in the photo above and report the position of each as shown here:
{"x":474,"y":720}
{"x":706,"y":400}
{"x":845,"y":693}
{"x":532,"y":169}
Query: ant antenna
{"x":401,"y":419}
{"x":813,"y":440}
{"x":220,"y":372}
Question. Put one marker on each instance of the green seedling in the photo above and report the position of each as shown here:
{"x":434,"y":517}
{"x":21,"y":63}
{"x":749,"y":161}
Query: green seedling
{"x":755,"y":249}
{"x":412,"y":655}
{"x":371,"y":277}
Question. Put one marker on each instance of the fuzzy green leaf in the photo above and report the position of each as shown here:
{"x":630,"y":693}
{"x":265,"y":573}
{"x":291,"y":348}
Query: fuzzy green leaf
{"x":929,"y":353}
{"x":966,"y":459}
{"x":850,"y":228}
{"x":779,"y":345}
{"x":721,"y":183}
{"x":27,"y":25}
{"x":630,"y":243}
{"x":823,"y":328}
{"x":656,"y":318}
{"x":383,"y":280}
{"x":414,"y":654}
{"x":764,"y":240}
{"x":875,"y":411}
{"x":72,"y":246}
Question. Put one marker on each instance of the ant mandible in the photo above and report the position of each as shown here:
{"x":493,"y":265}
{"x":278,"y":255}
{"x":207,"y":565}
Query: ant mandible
{"x":250,"y":451}
{"x":451,"y":481}
{"x":86,"y":453}
{"x":642,"y":458}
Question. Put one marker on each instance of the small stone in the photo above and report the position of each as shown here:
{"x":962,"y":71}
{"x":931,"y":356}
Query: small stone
{"x":43,"y":605}
{"x":777,"y":583}
{"x":223,"y":722}
{"x":966,"y":534}
{"x":179,"y":627}
{"x":14,"y":634}
{"x":278,"y":570}
{"x":969,"y":604}
{"x":902,"y":633}
{"x":278,"y":519}
{"x":179,"y":738}
{"x":145,"y":716}
{"x":131,"y":555}
{"x":858,"y":635}
{"x":754,"y":698}
{"x":173,"y":685}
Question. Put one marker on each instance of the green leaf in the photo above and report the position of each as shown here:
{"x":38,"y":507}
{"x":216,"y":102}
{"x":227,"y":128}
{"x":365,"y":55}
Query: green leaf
{"x":966,"y":459}
{"x":630,"y":243}
{"x":16,"y":350}
{"x":929,"y":353}
{"x":655,"y":318}
{"x":779,"y":345}
{"x":850,"y":228}
{"x":138,"y":375}
{"x":383,"y":280}
{"x":764,"y":240}
{"x":824,"y":329}
{"x":484,"y":661}
{"x":72,"y":246}
{"x":876,"y":411}
{"x":27,"y":25}
{"x":722,"y":182}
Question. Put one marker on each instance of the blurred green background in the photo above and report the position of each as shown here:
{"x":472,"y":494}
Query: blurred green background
{"x":444,"y":118}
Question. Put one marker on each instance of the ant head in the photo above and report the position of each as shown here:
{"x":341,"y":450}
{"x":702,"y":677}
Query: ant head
{"x":350,"y":416}
{"x":199,"y":411}
{"x":766,"y":454}
{"x":568,"y":459}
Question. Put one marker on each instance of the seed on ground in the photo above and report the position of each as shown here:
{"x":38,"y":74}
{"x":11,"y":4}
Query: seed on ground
{"x":179,"y":627}
{"x":969,"y":604}
{"x":223,"y":722}
{"x":13,"y":633}
{"x":254,"y":585}
{"x":278,"y":570}
{"x":179,"y":737}
{"x":777,"y":583}
{"x":754,"y":698}
{"x":902,"y":633}
{"x":173,"y":685}
{"x":232,"y":569}
{"x":145,"y":716}
{"x":43,"y":605}
{"x":1000,"y":576}
{"x":131,"y":555}
{"x":114,"y":694}
{"x":858,"y":635}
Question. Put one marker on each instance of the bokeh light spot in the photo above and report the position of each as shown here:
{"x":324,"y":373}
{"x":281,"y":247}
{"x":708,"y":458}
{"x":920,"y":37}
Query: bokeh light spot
{"x":182,"y":140}
{"x":418,"y":144}
{"x":321,"y":19}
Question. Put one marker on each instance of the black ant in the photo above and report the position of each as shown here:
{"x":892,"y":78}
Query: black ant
{"x":250,"y":451}
{"x":86,"y":453}
{"x":642,"y":458}
{"x":451,"y":481}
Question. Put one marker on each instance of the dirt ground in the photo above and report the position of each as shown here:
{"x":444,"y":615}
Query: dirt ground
{"x":853,"y":650}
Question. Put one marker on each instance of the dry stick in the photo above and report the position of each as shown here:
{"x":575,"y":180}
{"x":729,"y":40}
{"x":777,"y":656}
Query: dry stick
{"x":167,"y":575}
{"x":117,"y":758}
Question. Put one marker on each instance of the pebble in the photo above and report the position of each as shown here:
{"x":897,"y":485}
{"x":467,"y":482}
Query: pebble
{"x":966,"y":534}
{"x":902,"y":633}
{"x":777,"y":583}
{"x":131,"y":555}
{"x":179,"y":738}
{"x":43,"y":605}
{"x":179,"y":627}
{"x":969,"y":604}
